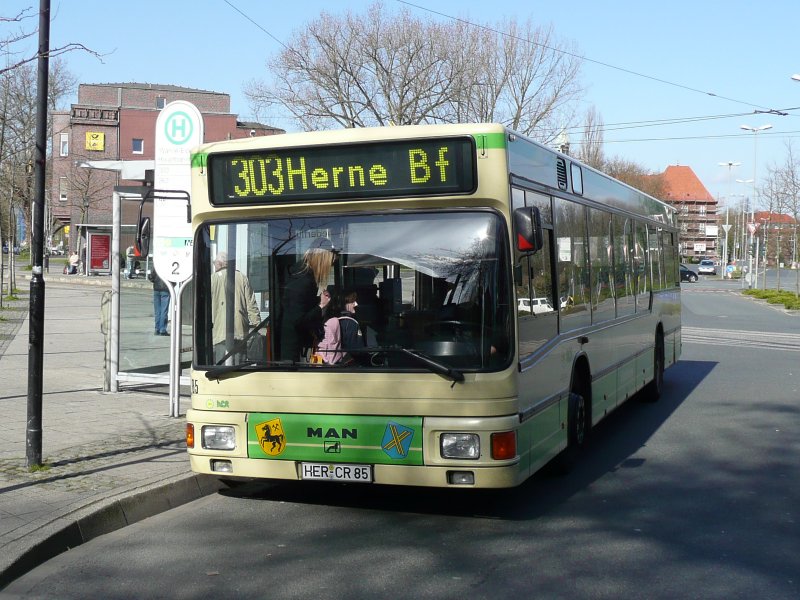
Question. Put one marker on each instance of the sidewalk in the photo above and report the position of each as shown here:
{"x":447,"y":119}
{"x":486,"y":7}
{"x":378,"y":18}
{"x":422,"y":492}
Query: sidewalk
{"x":111,"y":459}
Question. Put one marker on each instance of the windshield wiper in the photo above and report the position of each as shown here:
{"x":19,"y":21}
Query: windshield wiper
{"x":216,"y":371}
{"x":431,"y":363}
{"x":434,"y":365}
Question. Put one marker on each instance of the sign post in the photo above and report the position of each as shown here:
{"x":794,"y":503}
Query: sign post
{"x":725,"y":265}
{"x":179,"y":128}
{"x":752,"y":228}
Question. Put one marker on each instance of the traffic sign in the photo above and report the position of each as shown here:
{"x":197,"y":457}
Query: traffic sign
{"x":752,"y":228}
{"x":179,"y":128}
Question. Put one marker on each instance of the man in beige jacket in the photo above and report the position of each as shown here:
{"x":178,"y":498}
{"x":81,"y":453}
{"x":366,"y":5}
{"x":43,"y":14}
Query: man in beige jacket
{"x":245,"y":308}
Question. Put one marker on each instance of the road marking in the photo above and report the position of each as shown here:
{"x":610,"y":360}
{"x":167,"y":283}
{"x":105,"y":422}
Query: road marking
{"x":742,"y":338}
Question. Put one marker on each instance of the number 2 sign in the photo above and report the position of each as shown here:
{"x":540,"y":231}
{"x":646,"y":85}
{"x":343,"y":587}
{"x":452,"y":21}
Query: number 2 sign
{"x":179,"y":129}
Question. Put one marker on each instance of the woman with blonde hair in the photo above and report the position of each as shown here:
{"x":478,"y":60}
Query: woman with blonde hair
{"x":304,"y":300}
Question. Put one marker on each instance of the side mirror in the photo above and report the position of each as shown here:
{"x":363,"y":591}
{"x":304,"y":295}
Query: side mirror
{"x":528,"y":229}
{"x":143,"y":236}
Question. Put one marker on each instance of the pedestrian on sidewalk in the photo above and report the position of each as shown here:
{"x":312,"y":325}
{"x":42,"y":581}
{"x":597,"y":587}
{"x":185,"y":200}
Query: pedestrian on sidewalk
{"x":74,"y":261}
{"x":160,"y":303}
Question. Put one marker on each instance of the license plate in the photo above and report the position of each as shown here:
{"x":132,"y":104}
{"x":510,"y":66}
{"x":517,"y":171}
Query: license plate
{"x":336,"y":472}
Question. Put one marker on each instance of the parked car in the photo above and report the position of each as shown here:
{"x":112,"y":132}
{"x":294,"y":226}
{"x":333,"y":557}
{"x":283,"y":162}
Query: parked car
{"x":687,"y":274}
{"x":534,"y":305}
{"x":707,"y":267}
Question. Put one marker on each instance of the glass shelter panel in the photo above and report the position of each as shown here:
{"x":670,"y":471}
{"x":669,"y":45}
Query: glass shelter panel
{"x":142,"y":351}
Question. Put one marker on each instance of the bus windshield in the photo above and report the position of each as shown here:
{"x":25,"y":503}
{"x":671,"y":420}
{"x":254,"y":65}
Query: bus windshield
{"x":401,"y":286}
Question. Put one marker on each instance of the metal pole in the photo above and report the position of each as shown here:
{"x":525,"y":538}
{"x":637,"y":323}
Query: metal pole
{"x":758,"y":251}
{"x":33,"y":440}
{"x":175,"y":293}
{"x":116,"y":218}
{"x":174,"y":389}
{"x":766,"y":252}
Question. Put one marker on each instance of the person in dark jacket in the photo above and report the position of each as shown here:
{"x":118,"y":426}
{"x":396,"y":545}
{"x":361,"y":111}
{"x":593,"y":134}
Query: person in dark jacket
{"x":160,"y":303}
{"x":304,"y":300}
{"x":352,"y":339}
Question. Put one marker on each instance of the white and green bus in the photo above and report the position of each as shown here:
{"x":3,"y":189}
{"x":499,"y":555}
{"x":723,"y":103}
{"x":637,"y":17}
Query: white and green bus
{"x":441,"y":232}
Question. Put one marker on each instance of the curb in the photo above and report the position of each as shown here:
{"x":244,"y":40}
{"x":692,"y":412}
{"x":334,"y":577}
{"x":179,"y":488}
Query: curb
{"x":94,"y":280}
{"x":109,"y":516}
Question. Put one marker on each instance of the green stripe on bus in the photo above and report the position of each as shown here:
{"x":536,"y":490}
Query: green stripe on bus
{"x":335,"y":438}
{"x":199,"y":160}
{"x":490,"y":140}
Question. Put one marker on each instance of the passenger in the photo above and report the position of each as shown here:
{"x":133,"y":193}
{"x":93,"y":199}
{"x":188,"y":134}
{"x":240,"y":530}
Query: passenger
{"x":352,"y":338}
{"x":245,"y":309}
{"x":329,"y":349}
{"x":303,"y":302}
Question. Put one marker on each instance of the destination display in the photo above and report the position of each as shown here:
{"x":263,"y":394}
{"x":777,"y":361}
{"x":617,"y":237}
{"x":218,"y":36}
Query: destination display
{"x":383,"y":169}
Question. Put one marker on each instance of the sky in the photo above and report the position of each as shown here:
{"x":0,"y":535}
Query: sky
{"x":710,"y":65}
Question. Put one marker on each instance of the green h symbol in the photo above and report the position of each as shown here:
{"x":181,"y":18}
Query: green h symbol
{"x":178,"y":128}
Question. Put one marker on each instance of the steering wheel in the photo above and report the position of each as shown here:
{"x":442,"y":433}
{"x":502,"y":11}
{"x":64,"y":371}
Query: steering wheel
{"x":456,"y":328}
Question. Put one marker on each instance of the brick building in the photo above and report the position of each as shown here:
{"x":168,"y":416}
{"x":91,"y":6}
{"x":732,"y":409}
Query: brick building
{"x":697,"y":212}
{"x":116,"y":121}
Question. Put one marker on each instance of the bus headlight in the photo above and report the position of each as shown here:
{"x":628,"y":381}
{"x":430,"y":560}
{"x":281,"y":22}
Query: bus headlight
{"x":219,"y":437}
{"x":460,"y":445}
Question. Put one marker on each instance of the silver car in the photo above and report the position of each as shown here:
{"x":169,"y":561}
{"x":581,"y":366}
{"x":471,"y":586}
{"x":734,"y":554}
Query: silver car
{"x":707,"y":268}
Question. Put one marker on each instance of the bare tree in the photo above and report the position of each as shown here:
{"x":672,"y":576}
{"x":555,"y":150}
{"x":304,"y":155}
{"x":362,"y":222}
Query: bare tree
{"x":636,"y":176}
{"x":780,"y":192}
{"x":90,"y":185}
{"x":590,"y":150}
{"x":26,"y":23}
{"x":18,"y":130}
{"x":383,"y":68}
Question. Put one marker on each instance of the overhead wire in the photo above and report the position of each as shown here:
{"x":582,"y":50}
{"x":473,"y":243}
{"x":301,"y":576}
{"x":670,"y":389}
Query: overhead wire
{"x":590,"y":60}
{"x":246,"y":16}
{"x":608,"y":127}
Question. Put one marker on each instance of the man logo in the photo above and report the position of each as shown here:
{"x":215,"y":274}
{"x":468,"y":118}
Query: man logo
{"x":333,"y":447}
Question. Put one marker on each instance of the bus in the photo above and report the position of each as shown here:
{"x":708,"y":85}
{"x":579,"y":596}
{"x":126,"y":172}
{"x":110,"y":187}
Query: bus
{"x":440,"y":231}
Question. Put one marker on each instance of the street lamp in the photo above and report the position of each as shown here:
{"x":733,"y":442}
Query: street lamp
{"x":730,"y":164}
{"x":755,"y":131}
{"x":746,"y":208}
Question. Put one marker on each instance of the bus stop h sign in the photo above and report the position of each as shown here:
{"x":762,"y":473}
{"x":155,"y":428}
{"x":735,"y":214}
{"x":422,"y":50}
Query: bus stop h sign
{"x":179,"y":129}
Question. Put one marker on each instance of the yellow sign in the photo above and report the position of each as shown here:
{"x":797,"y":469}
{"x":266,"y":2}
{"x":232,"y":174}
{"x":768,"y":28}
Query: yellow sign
{"x":95,"y":141}
{"x":66,"y":229}
{"x":271,"y":437}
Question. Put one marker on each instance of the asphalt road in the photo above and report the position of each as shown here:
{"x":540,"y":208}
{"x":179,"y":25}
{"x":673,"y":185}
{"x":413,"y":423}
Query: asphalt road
{"x":695,"y":496}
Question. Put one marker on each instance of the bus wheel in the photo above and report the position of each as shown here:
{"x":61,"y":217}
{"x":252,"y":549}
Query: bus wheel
{"x":577,"y":433}
{"x":652,"y":391}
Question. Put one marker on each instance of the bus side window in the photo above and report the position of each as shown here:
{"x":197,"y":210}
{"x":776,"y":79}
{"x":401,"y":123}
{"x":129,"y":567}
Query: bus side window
{"x":600,"y":255}
{"x":623,"y":275}
{"x":536,"y":309}
{"x":573,"y":267}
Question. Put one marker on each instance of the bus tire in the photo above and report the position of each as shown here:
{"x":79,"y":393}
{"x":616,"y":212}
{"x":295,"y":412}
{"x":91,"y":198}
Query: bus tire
{"x":652,"y":391}
{"x":577,"y":433}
